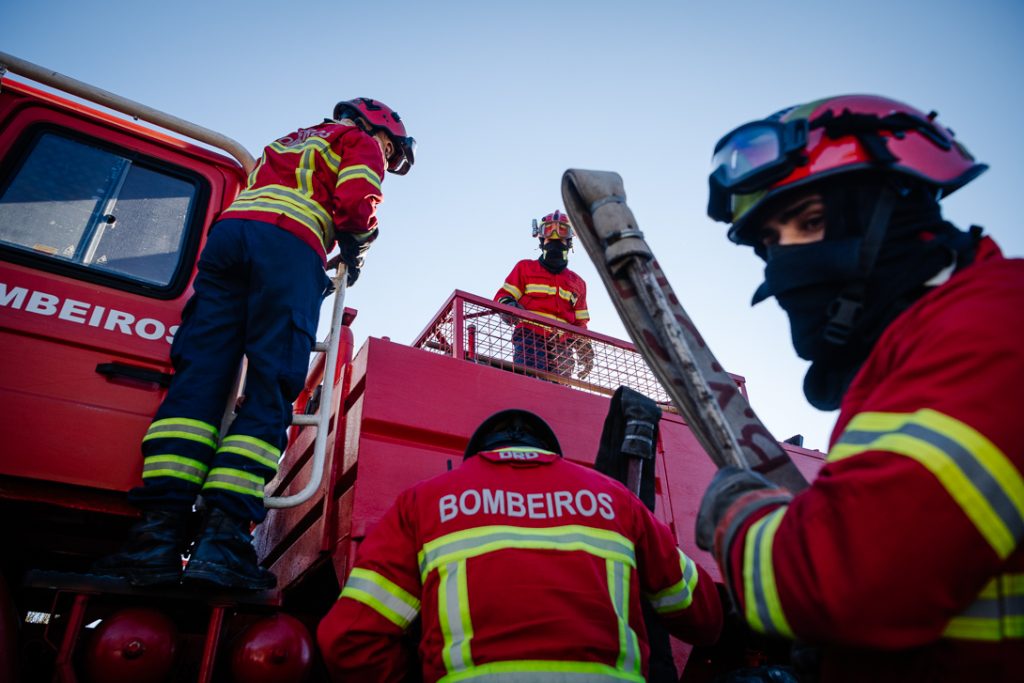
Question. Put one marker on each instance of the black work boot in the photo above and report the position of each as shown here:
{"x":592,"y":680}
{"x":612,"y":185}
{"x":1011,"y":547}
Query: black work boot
{"x":152,"y":553}
{"x":224,"y":556}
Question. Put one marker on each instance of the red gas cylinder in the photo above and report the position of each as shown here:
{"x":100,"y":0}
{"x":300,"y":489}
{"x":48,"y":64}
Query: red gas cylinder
{"x":277,"y":649}
{"x":133,"y":645}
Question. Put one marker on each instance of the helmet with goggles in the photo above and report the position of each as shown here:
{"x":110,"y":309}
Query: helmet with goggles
{"x":374,"y":116}
{"x":760,"y":160}
{"x":554,"y":226}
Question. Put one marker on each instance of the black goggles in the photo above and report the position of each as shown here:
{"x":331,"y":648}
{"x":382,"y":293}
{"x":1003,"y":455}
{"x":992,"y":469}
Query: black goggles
{"x":752,"y":158}
{"x":404,"y":155}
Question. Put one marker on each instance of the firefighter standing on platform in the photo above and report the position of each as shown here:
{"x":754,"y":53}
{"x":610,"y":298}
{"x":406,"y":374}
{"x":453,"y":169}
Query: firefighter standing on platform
{"x":258,"y":292}
{"x":521,"y":565}
{"x":547,"y":287}
{"x":903,"y":560}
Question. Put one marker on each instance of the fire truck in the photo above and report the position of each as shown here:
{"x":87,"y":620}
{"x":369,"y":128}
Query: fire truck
{"x":104,"y":208}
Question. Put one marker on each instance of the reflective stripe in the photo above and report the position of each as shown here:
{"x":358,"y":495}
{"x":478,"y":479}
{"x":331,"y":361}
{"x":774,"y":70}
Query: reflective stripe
{"x":513,"y":290}
{"x":997,"y":614}
{"x":618,"y":589}
{"x":168,"y":465}
{"x":289,"y":195}
{"x":275,"y":206}
{"x":583,"y":314}
{"x":387,"y":598}
{"x":252,"y":448}
{"x":357,"y":172}
{"x":679,"y":596}
{"x":453,"y":615}
{"x":238,"y":481}
{"x":550,"y":315}
{"x":312,"y":144}
{"x":481,"y":540}
{"x":541,"y":289}
{"x":763,"y":608}
{"x":571,"y":297}
{"x":543,"y":671}
{"x":975,"y":473}
{"x":182,"y":428}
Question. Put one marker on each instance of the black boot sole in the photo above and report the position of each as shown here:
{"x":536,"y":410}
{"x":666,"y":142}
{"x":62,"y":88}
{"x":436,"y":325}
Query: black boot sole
{"x":141,"y":577}
{"x":202,"y":572}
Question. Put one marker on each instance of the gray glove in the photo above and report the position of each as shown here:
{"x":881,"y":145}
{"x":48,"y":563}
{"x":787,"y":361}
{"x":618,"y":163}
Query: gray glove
{"x":508,"y":301}
{"x":726,"y":487}
{"x":353,"y":253}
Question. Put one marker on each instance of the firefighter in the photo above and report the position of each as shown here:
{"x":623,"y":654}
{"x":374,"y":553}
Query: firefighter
{"x":902,"y":561}
{"x":520,"y":565}
{"x":546,"y":287}
{"x":258,"y":292}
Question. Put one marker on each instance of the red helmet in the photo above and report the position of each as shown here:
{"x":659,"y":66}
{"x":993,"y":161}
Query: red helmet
{"x":373,"y":116}
{"x":852,"y":133}
{"x":554,"y":226}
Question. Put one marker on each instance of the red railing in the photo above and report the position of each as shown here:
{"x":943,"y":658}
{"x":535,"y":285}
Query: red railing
{"x":478,"y":330}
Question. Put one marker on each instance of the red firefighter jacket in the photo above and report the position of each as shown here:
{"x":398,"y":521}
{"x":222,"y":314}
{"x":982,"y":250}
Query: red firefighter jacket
{"x":521,"y":564}
{"x":314,"y":182}
{"x":561,"y":296}
{"x":905,"y":554}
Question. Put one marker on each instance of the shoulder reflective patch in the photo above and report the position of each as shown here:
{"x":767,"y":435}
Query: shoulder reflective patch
{"x":357,"y":172}
{"x":384,"y":596}
{"x":680,"y":595}
{"x":976,"y":474}
{"x":763,"y":608}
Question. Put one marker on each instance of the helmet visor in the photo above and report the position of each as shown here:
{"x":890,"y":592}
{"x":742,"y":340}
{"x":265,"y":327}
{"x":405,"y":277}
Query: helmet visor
{"x":751,"y":158}
{"x":404,"y":155}
{"x":555,"y":230}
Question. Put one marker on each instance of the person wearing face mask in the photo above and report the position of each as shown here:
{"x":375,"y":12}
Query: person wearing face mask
{"x":546,"y":287}
{"x":903,"y":560}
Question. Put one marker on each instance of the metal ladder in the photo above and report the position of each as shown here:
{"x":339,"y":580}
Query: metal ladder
{"x":322,"y":419}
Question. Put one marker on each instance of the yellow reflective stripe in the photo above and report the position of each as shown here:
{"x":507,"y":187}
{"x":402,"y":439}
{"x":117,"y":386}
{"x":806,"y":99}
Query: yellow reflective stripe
{"x":277,"y":207}
{"x":975,"y":473}
{"x":541,"y":289}
{"x":997,"y":614}
{"x":550,"y":315}
{"x":238,"y":481}
{"x":763,"y":608}
{"x":571,"y":297}
{"x":617,"y":575}
{"x":387,"y":598}
{"x":583,"y":314}
{"x":252,"y":448}
{"x":169,"y":465}
{"x":461,"y":545}
{"x":359,"y":171}
{"x":182,"y":428}
{"x":680,"y":595}
{"x":513,"y":290}
{"x":316,"y":144}
{"x":299,"y":200}
{"x":542,"y":670}
{"x":453,"y":615}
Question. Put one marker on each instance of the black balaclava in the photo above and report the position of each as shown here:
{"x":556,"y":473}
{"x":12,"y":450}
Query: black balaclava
{"x":840,"y":298}
{"x":555,"y":257}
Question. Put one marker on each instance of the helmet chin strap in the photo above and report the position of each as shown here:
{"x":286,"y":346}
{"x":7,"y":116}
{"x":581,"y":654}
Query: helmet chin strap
{"x":845,"y":310}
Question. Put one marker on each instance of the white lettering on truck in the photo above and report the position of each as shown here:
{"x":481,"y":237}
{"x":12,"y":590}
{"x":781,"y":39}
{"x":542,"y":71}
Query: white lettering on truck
{"x":532,"y":505}
{"x":84,"y":313}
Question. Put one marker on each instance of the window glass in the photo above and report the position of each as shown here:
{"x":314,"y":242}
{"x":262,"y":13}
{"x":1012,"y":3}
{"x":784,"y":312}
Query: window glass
{"x":76,"y":203}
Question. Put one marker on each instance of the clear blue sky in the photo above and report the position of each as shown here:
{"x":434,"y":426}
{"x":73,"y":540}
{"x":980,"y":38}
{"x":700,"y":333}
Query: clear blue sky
{"x":504,"y":96}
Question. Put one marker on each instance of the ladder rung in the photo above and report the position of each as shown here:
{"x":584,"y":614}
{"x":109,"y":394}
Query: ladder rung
{"x":321,"y":346}
{"x":306,"y":420}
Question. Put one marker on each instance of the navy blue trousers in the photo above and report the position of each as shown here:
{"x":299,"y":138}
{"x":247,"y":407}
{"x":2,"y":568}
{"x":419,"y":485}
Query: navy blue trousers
{"x":258,"y":293}
{"x":545,"y":353}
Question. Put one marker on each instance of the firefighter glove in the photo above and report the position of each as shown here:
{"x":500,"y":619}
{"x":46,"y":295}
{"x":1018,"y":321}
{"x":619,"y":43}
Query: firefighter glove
{"x":719,"y":509}
{"x":508,"y":301}
{"x":353,"y":252}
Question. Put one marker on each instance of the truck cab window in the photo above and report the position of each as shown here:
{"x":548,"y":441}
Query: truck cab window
{"x":85,"y":205}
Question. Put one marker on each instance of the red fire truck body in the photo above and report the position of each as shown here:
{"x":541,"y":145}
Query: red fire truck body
{"x":101,"y":223}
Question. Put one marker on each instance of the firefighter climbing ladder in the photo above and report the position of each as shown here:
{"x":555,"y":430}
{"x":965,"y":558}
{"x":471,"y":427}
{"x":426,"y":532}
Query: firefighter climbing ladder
{"x":321,"y":420}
